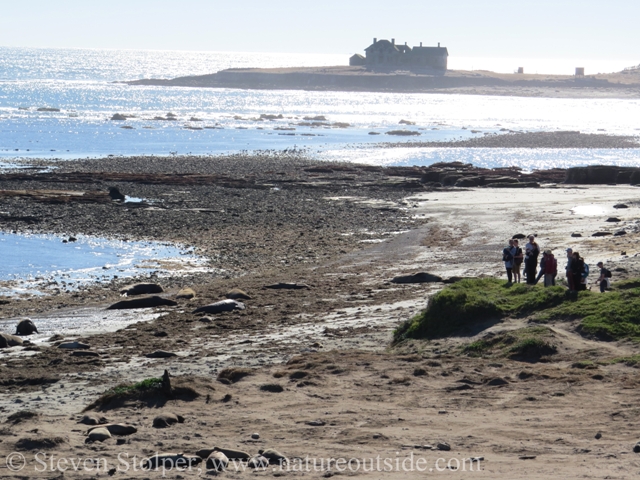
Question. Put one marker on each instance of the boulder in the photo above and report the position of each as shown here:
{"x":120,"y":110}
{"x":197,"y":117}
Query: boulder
{"x":118,"y":116}
{"x":186,"y":293}
{"x":421,"y":277}
{"x":144,"y":302}
{"x":115,"y":194}
{"x":221,"y":306}
{"x":7,"y":340}
{"x":26,"y":327}
{"x":141,"y":289}
{"x":470,"y":182}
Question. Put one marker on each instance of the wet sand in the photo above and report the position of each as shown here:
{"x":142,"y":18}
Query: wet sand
{"x":345,"y":232}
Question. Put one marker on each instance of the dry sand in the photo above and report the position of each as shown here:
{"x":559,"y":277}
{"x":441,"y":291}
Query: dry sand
{"x":329,"y":348}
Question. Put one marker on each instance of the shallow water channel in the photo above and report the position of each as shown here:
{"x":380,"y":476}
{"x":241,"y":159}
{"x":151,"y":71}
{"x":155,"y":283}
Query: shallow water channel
{"x":41,"y":264}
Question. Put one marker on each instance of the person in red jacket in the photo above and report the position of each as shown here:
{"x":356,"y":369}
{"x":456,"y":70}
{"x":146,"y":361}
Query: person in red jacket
{"x":550,"y":269}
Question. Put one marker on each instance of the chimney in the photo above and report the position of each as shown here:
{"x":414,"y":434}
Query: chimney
{"x":421,"y":44}
{"x":405,"y":44}
{"x":393,"y":41}
{"x":375,"y":40}
{"x":438,"y":44}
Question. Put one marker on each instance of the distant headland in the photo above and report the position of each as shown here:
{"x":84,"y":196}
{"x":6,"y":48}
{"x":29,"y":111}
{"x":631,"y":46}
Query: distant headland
{"x":389,"y":67}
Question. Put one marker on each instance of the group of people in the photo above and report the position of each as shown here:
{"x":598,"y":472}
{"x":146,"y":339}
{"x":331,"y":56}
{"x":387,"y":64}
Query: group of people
{"x":577,"y":270}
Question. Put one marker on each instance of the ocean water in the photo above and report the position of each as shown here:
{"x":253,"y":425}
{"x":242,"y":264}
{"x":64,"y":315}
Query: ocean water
{"x":44,"y":263}
{"x":79,"y":85}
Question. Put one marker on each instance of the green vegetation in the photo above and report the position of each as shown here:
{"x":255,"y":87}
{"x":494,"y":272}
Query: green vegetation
{"x":144,"y":386}
{"x":531,"y":342}
{"x":469,"y":305}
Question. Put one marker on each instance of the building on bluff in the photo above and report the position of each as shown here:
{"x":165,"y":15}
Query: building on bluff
{"x":385,"y":54}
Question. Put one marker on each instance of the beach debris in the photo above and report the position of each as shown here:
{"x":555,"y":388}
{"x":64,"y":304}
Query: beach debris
{"x":99,"y":434}
{"x":255,"y":436}
{"x":160,"y":354}
{"x":598,"y":436}
{"x":443,"y":446}
{"x":186,"y":293}
{"x":237,"y":294}
{"x":168,"y":461}
{"x":144,"y":302}
{"x":141,"y":289}
{"x":421,"y":277}
{"x":217,"y":461}
{"x":288,"y":286}
{"x":7,"y":340}
{"x":316,"y":423}
{"x":221,"y":306}
{"x":26,"y":327}
{"x":527,"y":457}
{"x":166,"y":420}
{"x":75,"y":346}
{"x":92,"y":420}
{"x":636,"y":448}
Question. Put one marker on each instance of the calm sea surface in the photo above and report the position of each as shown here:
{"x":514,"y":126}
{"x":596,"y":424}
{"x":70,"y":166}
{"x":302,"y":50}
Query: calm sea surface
{"x":78,"y":84}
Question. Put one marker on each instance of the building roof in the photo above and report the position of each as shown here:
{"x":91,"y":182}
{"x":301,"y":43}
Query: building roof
{"x":357,"y":55}
{"x":382,"y":44}
{"x":428,"y":51}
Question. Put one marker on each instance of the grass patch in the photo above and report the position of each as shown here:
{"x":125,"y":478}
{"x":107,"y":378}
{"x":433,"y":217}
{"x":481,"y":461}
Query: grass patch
{"x":463,"y":308}
{"x":631,"y":361}
{"x":524,"y":343}
{"x":472,"y":301}
{"x":144,"y":386}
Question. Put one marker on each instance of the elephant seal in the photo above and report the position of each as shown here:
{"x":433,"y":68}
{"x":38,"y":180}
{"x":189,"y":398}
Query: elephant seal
{"x":274,"y":456}
{"x":186,"y":293}
{"x":92,"y":420}
{"x":237,"y":294}
{"x":141,"y":289}
{"x":116,"y":428}
{"x":144,"y":302}
{"x":288,"y":286}
{"x":160,"y":354}
{"x":26,"y":327}
{"x":99,"y":434}
{"x":167,"y":461}
{"x":217,"y":461}
{"x":221,"y":306}
{"x":230,"y":453}
{"x":166,"y":420}
{"x":74,"y":346}
{"x":258,"y":461}
{"x":7,"y":340}
{"x":84,"y":353}
{"x":421,"y":277}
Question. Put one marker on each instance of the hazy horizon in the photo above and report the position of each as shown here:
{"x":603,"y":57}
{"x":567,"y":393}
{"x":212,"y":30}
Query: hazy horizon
{"x":544,"y":29}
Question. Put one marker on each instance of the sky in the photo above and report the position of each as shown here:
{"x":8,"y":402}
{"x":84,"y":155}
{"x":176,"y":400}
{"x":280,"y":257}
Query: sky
{"x":468,"y":28}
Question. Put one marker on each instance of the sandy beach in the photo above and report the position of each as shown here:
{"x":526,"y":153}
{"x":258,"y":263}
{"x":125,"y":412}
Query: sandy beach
{"x":315,"y":373}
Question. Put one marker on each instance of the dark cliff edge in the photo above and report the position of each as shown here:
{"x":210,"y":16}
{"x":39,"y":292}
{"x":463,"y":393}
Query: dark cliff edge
{"x":361,"y":79}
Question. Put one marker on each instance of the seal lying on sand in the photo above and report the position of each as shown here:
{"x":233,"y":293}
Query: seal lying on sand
{"x":116,"y":428}
{"x":274,"y":456}
{"x":230,"y":454}
{"x":92,"y":420}
{"x":144,"y":302}
{"x":141,"y":289}
{"x":26,"y":327}
{"x":166,"y":420}
{"x":258,"y":461}
{"x":168,"y":461}
{"x":98,"y":434}
{"x":288,"y":286}
{"x":237,"y":294}
{"x":421,"y":277}
{"x":7,"y":340}
{"x":221,"y":306}
{"x":186,"y":293}
{"x":217,"y":461}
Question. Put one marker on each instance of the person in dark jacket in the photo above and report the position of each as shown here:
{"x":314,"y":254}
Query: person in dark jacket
{"x":532,"y":250}
{"x":577,"y":270}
